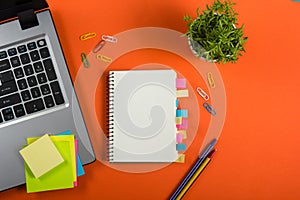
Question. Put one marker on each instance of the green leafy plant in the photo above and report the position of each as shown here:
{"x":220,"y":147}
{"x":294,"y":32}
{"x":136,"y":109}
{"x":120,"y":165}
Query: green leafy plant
{"x":214,"y":34}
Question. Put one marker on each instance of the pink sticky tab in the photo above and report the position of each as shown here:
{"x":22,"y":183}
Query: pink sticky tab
{"x":181,"y":83}
{"x":179,"y":138}
{"x":183,"y":125}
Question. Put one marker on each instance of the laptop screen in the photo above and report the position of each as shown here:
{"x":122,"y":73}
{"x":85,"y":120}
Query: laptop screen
{"x":11,"y":8}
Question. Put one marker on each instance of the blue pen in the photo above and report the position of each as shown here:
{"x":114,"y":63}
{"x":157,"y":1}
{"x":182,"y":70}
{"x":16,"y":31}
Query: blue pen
{"x":202,"y":157}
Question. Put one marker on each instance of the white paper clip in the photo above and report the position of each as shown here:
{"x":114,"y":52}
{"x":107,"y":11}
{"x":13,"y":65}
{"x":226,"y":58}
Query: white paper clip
{"x":109,"y":38}
{"x":202,"y":94}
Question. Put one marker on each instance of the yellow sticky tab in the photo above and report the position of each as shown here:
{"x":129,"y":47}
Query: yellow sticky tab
{"x":181,"y":158}
{"x":178,"y":120}
{"x":41,"y":156}
{"x":182,"y":93}
{"x":183,"y":132}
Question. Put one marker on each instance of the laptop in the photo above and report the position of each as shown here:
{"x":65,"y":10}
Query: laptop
{"x":36,"y":91}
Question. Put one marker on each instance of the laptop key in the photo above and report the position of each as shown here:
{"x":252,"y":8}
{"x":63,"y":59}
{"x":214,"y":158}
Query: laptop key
{"x":49,"y":69}
{"x":38,"y":67}
{"x":15,"y":61}
{"x":41,"y":78}
{"x":45,"y":89}
{"x":6,"y":76}
{"x":28,"y":70}
{"x":58,"y":97}
{"x":25,"y":95}
{"x":8,"y":114}
{"x":19,"y":72}
{"x":25,"y":58}
{"x":44,"y":52}
{"x":12,"y":51}
{"x":31,"y":45}
{"x":8,"y":87}
{"x":1,"y":119}
{"x":22,"y":49}
{"x":32,"y":81}
{"x":34,"y":106}
{"x":3,"y":54}
{"x":19,"y":110}
{"x":4,"y":65}
{"x":34,"y":55}
{"x":35,"y":92}
{"x":49,"y":101}
{"x":22,"y":84}
{"x":41,"y":42}
{"x":10,"y":100}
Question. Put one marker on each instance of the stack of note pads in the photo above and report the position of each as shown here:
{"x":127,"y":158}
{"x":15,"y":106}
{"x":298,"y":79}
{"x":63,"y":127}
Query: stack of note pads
{"x":51,"y":162}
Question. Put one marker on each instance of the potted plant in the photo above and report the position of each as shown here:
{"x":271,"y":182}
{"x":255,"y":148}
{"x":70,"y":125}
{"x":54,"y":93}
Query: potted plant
{"x":214,"y":34}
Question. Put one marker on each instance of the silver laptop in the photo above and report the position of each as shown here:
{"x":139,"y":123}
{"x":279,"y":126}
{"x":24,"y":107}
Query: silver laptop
{"x":36,"y":91}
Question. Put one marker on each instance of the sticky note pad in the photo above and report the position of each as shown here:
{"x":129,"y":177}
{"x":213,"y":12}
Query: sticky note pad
{"x":182,"y":93}
{"x":182,"y":113}
{"x":60,"y":177}
{"x":183,"y":133}
{"x":177,"y":103}
{"x":181,"y":158}
{"x":178,"y":120}
{"x":41,"y":156}
{"x":180,"y":83}
{"x":178,"y":138}
{"x":180,"y":147}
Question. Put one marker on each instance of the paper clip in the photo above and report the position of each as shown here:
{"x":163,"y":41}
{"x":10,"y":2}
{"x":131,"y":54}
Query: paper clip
{"x":99,"y":46}
{"x":109,"y":38}
{"x":210,"y":79}
{"x":209,"y":109}
{"x":87,"y":36}
{"x":202,"y":94}
{"x":84,"y":60}
{"x":103,"y":58}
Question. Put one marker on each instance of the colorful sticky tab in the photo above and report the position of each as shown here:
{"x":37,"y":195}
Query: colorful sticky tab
{"x":182,"y":93}
{"x":181,"y":158}
{"x":180,"y":83}
{"x":183,"y":125}
{"x":178,"y":120}
{"x":180,"y":147}
{"x":177,"y":103}
{"x":182,"y":113}
{"x":183,"y":133}
{"x":61,"y":177}
{"x":41,"y":156}
{"x":179,"y":138}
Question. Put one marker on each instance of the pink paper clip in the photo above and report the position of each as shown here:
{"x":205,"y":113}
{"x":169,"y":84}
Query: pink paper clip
{"x":109,"y":38}
{"x":202,"y":94}
{"x":99,"y":46}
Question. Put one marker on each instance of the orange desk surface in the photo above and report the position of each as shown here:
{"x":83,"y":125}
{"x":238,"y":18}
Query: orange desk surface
{"x":258,"y":151}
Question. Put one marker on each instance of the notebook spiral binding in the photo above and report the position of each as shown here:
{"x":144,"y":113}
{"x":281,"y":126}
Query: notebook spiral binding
{"x":110,"y":96}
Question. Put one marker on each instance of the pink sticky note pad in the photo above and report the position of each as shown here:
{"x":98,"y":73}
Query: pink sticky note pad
{"x":179,"y":138}
{"x":180,"y":83}
{"x":76,"y":153}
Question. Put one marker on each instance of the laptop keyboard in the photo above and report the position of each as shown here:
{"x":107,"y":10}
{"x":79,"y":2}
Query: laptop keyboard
{"x":28,"y":81}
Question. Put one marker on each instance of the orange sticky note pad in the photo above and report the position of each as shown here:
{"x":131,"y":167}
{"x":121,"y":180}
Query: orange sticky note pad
{"x":41,"y":156}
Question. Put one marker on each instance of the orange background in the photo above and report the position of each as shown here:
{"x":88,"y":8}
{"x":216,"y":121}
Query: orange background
{"x":258,"y":150}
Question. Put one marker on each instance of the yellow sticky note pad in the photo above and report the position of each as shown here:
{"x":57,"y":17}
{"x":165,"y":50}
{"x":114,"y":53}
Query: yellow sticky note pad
{"x":181,"y":158}
{"x":61,"y":177}
{"x":41,"y":156}
{"x":182,"y":93}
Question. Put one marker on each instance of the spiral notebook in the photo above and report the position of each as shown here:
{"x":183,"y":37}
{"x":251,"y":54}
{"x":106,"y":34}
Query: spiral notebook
{"x":142,"y":111}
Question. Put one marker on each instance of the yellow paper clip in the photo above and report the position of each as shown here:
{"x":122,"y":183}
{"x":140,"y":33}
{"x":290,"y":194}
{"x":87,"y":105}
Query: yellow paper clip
{"x":84,"y":60}
{"x":210,"y":79}
{"x":109,"y":38}
{"x":202,"y":94}
{"x":99,"y":46}
{"x":87,"y":36}
{"x":103,"y":58}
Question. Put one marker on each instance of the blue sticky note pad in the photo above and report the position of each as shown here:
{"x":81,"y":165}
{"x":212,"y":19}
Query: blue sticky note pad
{"x":80,"y":170}
{"x":180,"y":147}
{"x":177,"y":103}
{"x":182,"y":113}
